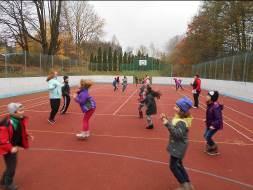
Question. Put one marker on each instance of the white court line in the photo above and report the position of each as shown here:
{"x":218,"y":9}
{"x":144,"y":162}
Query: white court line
{"x":145,"y":160}
{"x":242,"y":134}
{"x":133,"y":137}
{"x":124,"y":103}
{"x":26,"y":100}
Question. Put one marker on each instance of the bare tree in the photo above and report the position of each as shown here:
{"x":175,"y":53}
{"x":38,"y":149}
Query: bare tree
{"x":82,"y":23}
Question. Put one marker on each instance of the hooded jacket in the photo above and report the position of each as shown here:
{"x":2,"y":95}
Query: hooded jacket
{"x":214,"y":115}
{"x":85,"y":101}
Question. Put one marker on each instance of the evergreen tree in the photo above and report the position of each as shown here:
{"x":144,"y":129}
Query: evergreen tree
{"x":99,"y":59}
{"x":95,"y":64}
{"x":115,"y":61}
{"x":110,"y":59}
{"x":120,"y":59}
{"x":125,"y":58}
{"x":91,"y":61}
{"x":105,"y":60}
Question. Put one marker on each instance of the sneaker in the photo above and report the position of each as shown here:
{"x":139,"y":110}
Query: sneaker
{"x":194,"y":107}
{"x":11,"y":187}
{"x":150,"y":127}
{"x":51,"y":121}
{"x":213,"y":153}
{"x":81,"y":135}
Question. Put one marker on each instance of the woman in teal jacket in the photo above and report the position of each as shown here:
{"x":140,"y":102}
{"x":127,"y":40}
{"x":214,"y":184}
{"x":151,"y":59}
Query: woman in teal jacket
{"x":55,"y":93}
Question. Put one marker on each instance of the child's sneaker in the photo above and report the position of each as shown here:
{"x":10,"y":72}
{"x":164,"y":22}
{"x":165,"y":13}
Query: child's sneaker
{"x":11,"y":187}
{"x":150,"y":127}
{"x":51,"y":121}
{"x":87,"y":133}
{"x":81,"y":135}
{"x":213,"y":152}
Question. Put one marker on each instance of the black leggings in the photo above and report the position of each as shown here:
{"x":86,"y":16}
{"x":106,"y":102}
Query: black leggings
{"x":196,"y":99}
{"x":178,"y":170}
{"x":55,"y":104}
{"x":10,"y":160}
{"x":66,"y":104}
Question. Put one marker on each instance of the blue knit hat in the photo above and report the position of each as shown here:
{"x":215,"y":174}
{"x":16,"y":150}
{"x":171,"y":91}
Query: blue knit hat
{"x":184,"y":104}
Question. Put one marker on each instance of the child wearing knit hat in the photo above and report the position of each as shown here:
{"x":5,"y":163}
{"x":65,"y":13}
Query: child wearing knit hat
{"x":13,"y":134}
{"x":214,"y":121}
{"x":178,"y":128}
{"x":65,"y":94}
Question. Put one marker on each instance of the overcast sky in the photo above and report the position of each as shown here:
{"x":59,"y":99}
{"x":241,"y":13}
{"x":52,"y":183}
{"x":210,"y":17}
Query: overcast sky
{"x":142,"y":22}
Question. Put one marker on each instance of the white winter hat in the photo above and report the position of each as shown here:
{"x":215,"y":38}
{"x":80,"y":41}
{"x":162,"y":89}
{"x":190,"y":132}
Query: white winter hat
{"x":13,"y":107}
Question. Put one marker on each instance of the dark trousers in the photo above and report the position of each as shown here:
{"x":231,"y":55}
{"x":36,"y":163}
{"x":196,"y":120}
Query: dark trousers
{"x":124,"y":88}
{"x":178,"y":170}
{"x":66,"y":103}
{"x":209,"y":133}
{"x":9,"y":173}
{"x":115,"y":87}
{"x":196,"y":99}
{"x":55,"y":104}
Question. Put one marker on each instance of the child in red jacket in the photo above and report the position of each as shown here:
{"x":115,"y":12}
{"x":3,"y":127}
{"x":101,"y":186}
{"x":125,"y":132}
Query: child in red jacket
{"x":13,"y":134}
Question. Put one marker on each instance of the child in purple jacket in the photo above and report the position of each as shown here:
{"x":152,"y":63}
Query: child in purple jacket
{"x":214,"y":121}
{"x":87,"y":104}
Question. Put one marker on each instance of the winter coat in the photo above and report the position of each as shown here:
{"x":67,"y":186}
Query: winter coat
{"x":150,"y":104}
{"x":85,"y":101}
{"x":54,"y":87}
{"x":214,"y":115}
{"x":11,"y":135}
{"x":65,"y":89}
{"x":197,"y":85}
{"x":178,"y":141}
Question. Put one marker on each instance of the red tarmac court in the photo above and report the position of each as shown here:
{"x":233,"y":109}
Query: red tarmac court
{"x":122,"y":154}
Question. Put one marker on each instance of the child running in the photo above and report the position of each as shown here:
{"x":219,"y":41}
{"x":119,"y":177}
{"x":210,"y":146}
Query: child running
{"x":88,"y":106}
{"x":178,"y":128}
{"x":151,"y":105}
{"x":114,"y":84}
{"x":65,"y":94}
{"x":13,"y":134}
{"x":124,"y":83}
{"x":178,"y":83}
{"x":214,"y":121}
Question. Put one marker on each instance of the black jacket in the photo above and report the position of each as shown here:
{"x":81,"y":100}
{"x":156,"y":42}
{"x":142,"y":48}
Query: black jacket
{"x":151,"y":104}
{"x":65,"y":89}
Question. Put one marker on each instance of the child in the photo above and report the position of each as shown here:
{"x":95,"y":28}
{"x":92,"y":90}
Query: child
{"x":151,"y":105}
{"x":142,"y":96}
{"x":178,"y":83}
{"x":214,"y":121}
{"x":117,"y":79}
{"x":65,"y":94}
{"x":114,"y":84}
{"x":124,"y":83}
{"x":87,"y":104}
{"x":178,"y":128}
{"x":13,"y":134}
{"x":136,"y":80}
{"x":55,"y":93}
{"x":196,"y":85}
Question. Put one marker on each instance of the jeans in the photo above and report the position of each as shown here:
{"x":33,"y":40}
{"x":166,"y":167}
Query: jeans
{"x":178,"y":170}
{"x":10,"y":160}
{"x":209,"y":133}
{"x":55,"y":104}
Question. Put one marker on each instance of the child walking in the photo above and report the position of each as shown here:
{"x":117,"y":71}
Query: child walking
{"x":65,"y":94}
{"x":178,"y":128}
{"x":55,"y":93}
{"x":13,"y":134}
{"x":114,"y":84}
{"x":151,"y":105}
{"x":124,"y":83}
{"x":214,"y":121}
{"x":88,"y":106}
{"x":142,"y":96}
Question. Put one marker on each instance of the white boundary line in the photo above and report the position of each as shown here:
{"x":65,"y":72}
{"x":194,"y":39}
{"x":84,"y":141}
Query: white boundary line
{"x":133,"y":137}
{"x":124,"y":103}
{"x":145,"y":160}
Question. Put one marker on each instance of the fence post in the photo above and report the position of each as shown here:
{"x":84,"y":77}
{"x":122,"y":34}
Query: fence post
{"x":171,"y":73}
{"x":223,"y":69}
{"x":52,"y":62}
{"x":205,"y":70}
{"x":232,"y":69}
{"x":215,"y":72}
{"x":40,"y":64}
{"x":244,"y":66}
{"x":25,"y":61}
{"x":5,"y":65}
